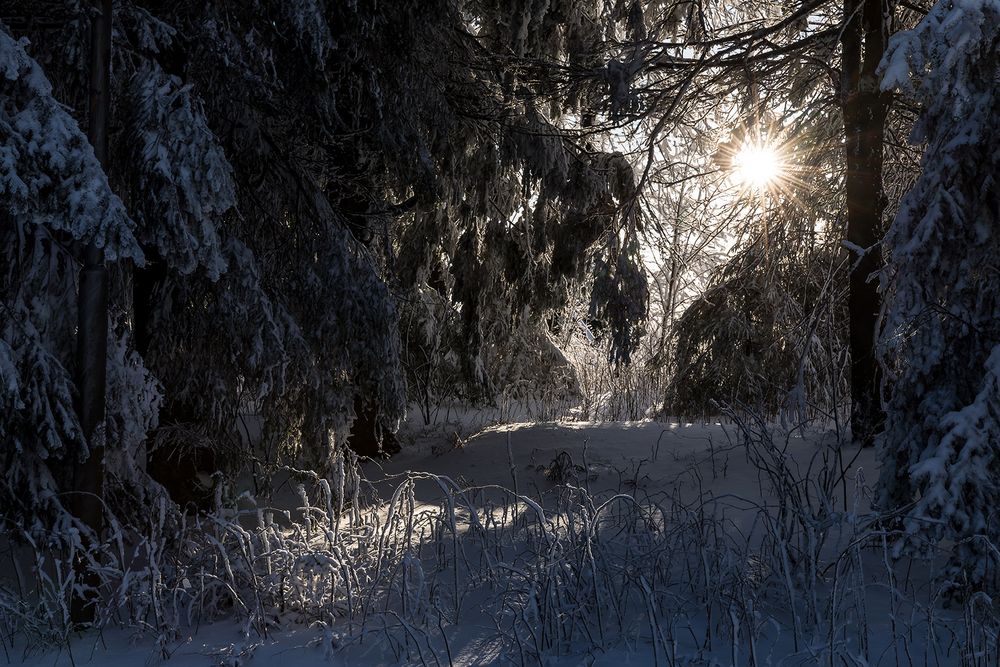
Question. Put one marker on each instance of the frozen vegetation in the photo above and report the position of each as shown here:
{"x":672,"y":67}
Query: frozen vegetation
{"x":571,"y":543}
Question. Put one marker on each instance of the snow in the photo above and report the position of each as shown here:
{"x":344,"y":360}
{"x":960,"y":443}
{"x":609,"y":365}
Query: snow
{"x":49,"y":175}
{"x":183,"y":171}
{"x":747,"y":515}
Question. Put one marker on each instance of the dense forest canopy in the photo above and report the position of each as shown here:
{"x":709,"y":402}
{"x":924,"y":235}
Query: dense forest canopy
{"x":328,"y":213}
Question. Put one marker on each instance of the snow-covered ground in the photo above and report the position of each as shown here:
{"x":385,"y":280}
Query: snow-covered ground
{"x":641,"y":544}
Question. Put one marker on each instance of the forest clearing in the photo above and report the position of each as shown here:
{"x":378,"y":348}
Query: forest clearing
{"x":516,"y":332}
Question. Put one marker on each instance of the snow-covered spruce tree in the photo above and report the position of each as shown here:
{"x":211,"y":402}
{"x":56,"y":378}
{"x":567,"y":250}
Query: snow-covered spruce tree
{"x":765,"y":334}
{"x":463,"y":177}
{"x":240,"y":158}
{"x":53,"y":193}
{"x":216,"y":325}
{"x":281,"y":159}
{"x":525,"y":204}
{"x":941,"y":339}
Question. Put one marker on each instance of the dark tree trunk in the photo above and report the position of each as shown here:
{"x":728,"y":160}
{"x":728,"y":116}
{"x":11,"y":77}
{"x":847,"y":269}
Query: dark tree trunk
{"x":864,"y":107}
{"x":92,"y":335}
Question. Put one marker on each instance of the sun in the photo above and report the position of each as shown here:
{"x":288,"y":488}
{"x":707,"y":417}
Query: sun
{"x":757,"y":166}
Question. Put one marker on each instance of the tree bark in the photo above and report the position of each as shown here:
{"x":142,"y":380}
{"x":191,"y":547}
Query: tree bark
{"x":92,"y":334}
{"x":865,"y":107}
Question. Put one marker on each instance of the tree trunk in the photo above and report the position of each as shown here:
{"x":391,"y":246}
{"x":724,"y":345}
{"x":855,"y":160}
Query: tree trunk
{"x":92,"y":335}
{"x":864,"y":107}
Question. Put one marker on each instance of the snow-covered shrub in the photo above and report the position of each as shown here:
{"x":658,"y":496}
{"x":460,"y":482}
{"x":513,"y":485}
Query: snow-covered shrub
{"x":610,"y":391}
{"x":428,"y":328}
{"x":525,"y":374}
{"x":941,"y":338}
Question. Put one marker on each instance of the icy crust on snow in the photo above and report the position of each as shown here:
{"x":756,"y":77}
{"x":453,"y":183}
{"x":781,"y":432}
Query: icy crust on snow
{"x":49,"y":175}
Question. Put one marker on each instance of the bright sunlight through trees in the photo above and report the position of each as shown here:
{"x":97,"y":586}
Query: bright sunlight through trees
{"x":757,"y":166}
